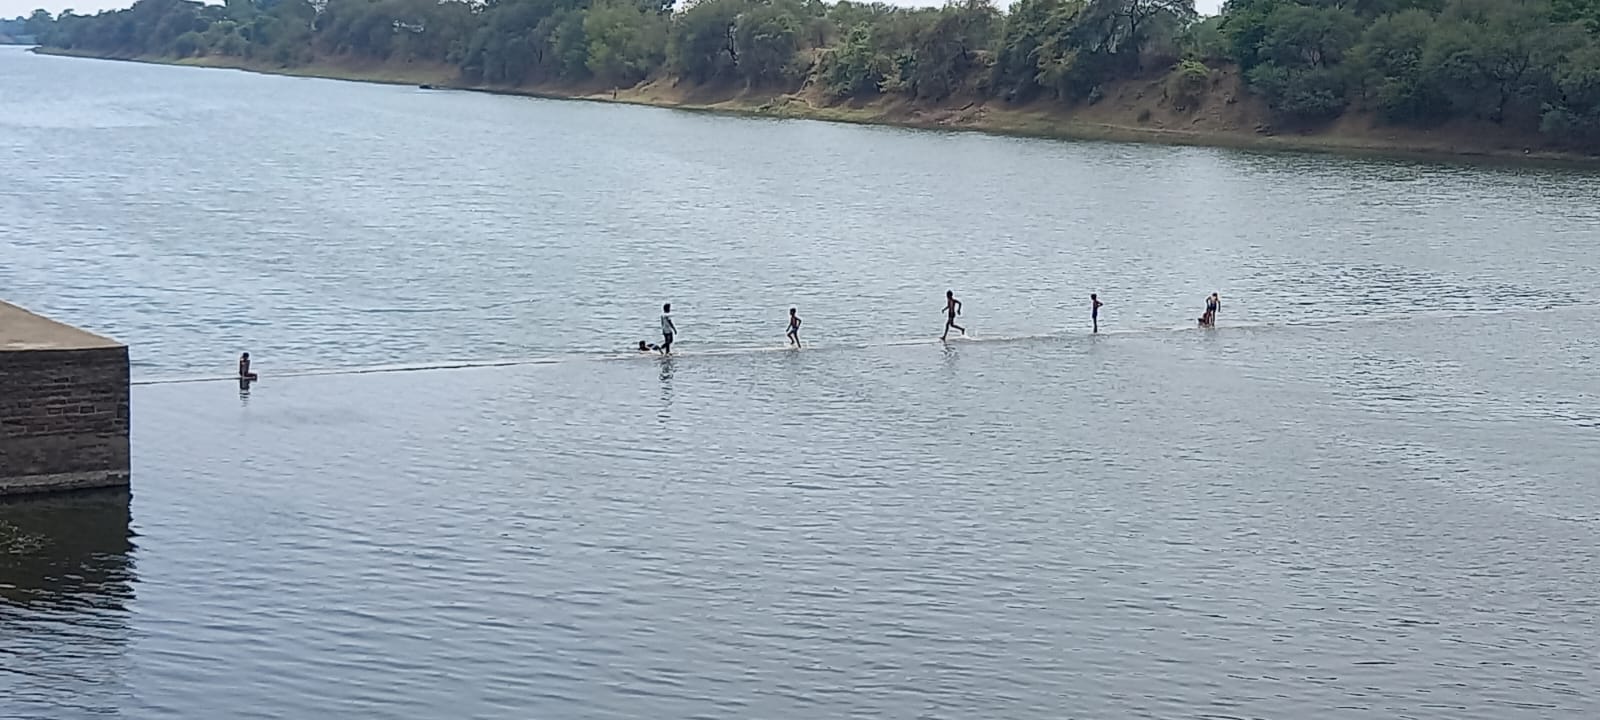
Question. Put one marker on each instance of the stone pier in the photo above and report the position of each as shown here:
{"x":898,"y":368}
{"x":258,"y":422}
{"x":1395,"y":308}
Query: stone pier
{"x":63,"y":406}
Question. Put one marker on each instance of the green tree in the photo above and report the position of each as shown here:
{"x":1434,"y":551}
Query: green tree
{"x":701,"y":46}
{"x":38,"y":24}
{"x":626,"y":43}
{"x":1124,"y":27}
{"x":223,"y":38}
{"x":1489,"y":59}
{"x":765,"y":39}
{"x":1037,"y":49}
{"x":856,"y":67}
{"x":1573,"y":115}
{"x":1378,"y":8}
{"x":1203,"y":41}
{"x":1303,"y":36}
{"x":187,"y":44}
{"x":569,"y":44}
{"x":1586,"y":12}
{"x":952,"y":48}
{"x":1301,"y":93}
{"x":1244,"y":28}
{"x":517,"y":41}
{"x":1390,"y":54}
{"x":1061,"y":64}
{"x":1298,"y":59}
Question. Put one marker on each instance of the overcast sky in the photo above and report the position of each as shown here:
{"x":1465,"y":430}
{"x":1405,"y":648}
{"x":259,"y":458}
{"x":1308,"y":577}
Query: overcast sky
{"x":13,"y":8}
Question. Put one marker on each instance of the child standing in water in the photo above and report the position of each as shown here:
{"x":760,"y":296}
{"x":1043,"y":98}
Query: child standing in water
{"x":952,"y":309}
{"x":1094,"y":310}
{"x":794,"y":328}
{"x":667,"y":329}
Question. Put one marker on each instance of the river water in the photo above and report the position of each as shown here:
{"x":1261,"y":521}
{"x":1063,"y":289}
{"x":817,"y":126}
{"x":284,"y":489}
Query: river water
{"x":1370,"y":493}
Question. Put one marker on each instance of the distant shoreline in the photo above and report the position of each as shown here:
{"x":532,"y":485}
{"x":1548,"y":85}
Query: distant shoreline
{"x":1354,"y":137}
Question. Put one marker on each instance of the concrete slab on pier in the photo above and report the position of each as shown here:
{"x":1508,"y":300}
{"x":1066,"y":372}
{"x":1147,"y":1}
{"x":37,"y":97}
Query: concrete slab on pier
{"x":23,"y":330}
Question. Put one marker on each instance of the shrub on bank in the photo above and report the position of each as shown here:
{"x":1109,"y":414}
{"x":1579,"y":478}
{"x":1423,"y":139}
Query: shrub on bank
{"x":1187,"y":83}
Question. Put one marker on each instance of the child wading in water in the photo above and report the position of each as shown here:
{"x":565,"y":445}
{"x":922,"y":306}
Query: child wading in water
{"x":794,"y":328}
{"x":668,"y":329}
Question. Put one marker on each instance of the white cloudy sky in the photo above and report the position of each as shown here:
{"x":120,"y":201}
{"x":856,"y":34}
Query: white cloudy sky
{"x":13,"y":8}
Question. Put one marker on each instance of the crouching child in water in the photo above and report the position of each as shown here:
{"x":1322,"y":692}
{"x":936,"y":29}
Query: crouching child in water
{"x":1213,"y":304}
{"x":244,"y":368}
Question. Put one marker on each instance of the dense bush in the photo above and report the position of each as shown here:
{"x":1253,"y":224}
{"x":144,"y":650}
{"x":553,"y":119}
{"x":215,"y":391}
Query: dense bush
{"x":1524,"y":63}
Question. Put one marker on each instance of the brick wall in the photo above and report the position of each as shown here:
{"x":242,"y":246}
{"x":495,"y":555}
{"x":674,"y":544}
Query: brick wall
{"x":63,"y":419}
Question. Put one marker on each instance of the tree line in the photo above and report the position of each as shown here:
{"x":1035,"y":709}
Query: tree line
{"x":25,"y":27}
{"x":1531,"y":65}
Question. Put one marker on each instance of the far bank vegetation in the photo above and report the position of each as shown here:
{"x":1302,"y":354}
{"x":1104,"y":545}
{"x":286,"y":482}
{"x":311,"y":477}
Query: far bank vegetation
{"x":1521,"y":66}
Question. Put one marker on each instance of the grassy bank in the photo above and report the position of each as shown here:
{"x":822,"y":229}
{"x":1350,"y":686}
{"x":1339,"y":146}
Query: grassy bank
{"x":1133,"y":110}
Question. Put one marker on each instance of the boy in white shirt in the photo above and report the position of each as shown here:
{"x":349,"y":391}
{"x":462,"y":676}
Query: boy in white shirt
{"x":667,"y":329}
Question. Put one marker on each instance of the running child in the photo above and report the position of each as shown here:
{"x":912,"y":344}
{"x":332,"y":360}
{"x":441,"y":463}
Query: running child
{"x":952,"y":309}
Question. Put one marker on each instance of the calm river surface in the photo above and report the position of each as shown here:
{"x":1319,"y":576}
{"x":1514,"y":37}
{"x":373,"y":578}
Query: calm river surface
{"x":1371,"y":493}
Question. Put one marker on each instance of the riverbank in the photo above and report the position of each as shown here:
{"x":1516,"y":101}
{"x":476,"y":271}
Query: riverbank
{"x":1133,"y":110}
